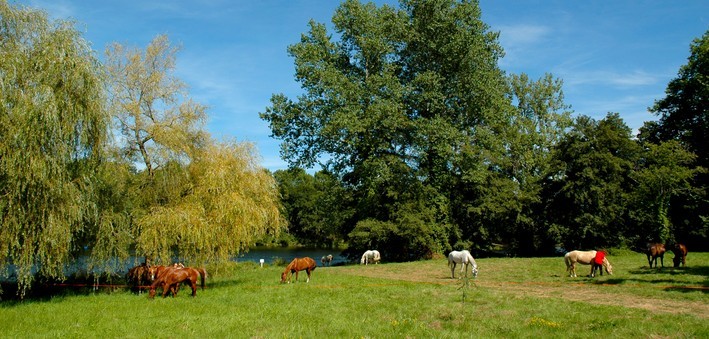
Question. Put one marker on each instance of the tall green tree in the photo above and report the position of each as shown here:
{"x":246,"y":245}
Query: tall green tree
{"x":663,"y":173}
{"x":684,"y":111}
{"x":684,"y":117}
{"x":53,"y":126}
{"x":537,"y":123}
{"x":389,"y":107}
{"x":316,"y":206}
{"x":589,"y":188}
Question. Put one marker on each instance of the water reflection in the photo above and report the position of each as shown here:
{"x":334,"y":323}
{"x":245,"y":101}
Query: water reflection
{"x":269,"y":254}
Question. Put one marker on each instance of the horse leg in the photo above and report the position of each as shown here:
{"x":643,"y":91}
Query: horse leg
{"x":308,"y":271}
{"x":662,"y":260}
{"x":453,"y":271}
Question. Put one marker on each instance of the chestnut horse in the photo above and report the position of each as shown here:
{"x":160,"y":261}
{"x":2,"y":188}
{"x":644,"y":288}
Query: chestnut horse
{"x":680,"y":252}
{"x":654,"y":251}
{"x":156,"y":271}
{"x":171,"y":278}
{"x":586,"y":258}
{"x":306,"y":264}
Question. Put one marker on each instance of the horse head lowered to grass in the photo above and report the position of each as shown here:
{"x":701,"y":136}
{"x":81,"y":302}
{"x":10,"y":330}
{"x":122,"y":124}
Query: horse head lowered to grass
{"x":371,"y":256}
{"x":306,"y":264}
{"x":585,"y":258}
{"x":464,"y":258}
{"x":680,"y":255}
{"x":172,"y":277}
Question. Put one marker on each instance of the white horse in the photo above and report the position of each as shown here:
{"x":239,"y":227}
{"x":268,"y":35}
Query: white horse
{"x":464,"y":258}
{"x":371,"y":256}
{"x":586,"y":258}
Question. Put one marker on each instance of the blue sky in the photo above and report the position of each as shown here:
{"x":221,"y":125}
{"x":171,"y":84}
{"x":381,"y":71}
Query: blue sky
{"x":613,"y":56}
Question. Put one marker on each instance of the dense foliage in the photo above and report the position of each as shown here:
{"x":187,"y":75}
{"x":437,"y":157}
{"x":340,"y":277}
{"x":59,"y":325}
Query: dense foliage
{"x":53,"y":125}
{"x":437,"y":148}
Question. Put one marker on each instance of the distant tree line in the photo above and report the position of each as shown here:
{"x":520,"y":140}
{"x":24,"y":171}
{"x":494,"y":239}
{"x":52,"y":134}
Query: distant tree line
{"x":426,"y":145}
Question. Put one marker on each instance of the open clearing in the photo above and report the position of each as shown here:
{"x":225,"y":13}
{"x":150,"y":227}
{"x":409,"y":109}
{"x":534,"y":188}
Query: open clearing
{"x":602,"y":290}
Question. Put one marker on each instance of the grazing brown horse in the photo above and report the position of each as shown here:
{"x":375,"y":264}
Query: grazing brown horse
{"x":306,"y":264}
{"x":157,"y":271}
{"x":654,"y":251}
{"x":172,"y":277}
{"x":680,"y":252}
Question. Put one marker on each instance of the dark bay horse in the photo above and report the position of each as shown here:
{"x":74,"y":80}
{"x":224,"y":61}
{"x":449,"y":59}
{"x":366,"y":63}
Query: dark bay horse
{"x":138,"y":276}
{"x":306,"y":264}
{"x":172,"y":277}
{"x":654,"y":251}
{"x":680,"y":252}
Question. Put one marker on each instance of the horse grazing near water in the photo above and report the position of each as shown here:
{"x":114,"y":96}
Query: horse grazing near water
{"x":464,"y":258}
{"x":306,"y":264}
{"x":326,"y":260}
{"x":680,"y":252}
{"x":171,"y":279}
{"x":654,"y":251}
{"x":138,"y":276}
{"x":585,"y":258}
{"x":371,"y":256}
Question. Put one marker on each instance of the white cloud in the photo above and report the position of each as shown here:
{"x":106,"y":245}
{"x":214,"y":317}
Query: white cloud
{"x":522,"y":34}
{"x":609,"y":78}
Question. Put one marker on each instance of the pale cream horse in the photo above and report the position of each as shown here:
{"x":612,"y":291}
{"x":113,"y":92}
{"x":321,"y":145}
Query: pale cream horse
{"x":586,"y":258}
{"x":371,"y":256}
{"x":464,"y":258}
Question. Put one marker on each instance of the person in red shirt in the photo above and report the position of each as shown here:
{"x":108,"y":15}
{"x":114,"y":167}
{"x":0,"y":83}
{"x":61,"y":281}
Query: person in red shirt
{"x":597,"y":263}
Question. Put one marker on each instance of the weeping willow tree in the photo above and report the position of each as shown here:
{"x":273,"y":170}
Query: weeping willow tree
{"x":157,"y":119}
{"x":52,"y":126}
{"x":228,"y":203}
{"x":198,"y":199}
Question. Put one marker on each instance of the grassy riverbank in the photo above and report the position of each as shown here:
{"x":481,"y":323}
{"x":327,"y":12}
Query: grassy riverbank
{"x":512,"y":297}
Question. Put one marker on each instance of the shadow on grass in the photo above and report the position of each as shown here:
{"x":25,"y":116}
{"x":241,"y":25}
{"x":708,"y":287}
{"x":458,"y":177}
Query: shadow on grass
{"x":52,"y":291}
{"x":666,"y":276}
{"x":692,"y":270}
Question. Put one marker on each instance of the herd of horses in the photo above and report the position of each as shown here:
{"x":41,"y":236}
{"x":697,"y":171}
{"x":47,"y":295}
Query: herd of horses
{"x":169,"y":278}
{"x":597,"y":259}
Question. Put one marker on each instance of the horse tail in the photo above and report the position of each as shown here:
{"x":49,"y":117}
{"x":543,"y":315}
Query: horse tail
{"x":203,"y":274}
{"x":567,"y":260}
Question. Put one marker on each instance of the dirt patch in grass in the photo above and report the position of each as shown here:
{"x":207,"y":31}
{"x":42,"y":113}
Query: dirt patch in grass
{"x":592,"y":294}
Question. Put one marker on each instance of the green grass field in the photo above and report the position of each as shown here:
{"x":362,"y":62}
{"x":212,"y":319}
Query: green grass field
{"x":512,"y":297}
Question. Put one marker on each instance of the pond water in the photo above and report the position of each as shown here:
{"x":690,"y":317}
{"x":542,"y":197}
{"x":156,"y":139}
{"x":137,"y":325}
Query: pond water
{"x":269,"y":254}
